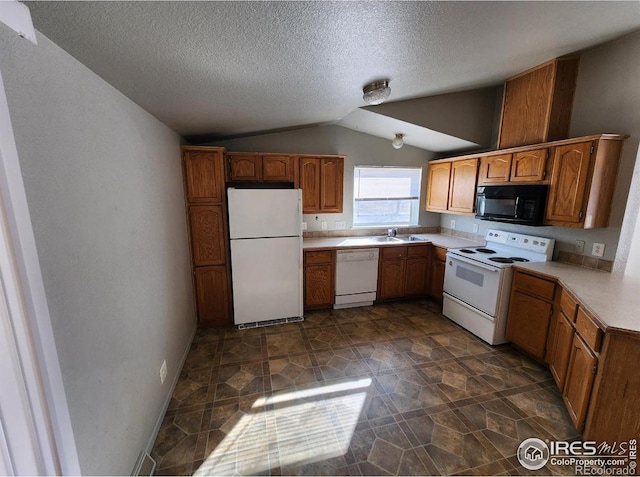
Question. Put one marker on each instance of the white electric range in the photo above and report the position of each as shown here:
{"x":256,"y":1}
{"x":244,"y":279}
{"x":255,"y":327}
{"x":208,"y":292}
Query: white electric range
{"x":477,"y":281}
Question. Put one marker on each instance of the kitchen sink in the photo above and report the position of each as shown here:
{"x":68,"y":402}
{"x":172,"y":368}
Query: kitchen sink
{"x":387,"y":239}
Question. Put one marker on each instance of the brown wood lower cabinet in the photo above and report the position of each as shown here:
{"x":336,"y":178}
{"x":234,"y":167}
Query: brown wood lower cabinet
{"x":403,"y":272}
{"x":579,"y":381}
{"x":561,"y":352}
{"x":437,"y":267}
{"x":212,"y":295}
{"x":319,"y":279}
{"x":530,"y":311}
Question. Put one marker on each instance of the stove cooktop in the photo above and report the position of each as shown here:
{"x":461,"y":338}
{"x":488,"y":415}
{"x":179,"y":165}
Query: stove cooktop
{"x":503,"y":249}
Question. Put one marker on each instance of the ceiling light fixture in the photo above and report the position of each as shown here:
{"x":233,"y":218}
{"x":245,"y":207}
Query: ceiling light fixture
{"x":376,"y":92}
{"x":398,"y":141}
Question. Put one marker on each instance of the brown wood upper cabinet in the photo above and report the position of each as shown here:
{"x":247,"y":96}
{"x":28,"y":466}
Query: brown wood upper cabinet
{"x":451,"y":186}
{"x":583,"y":182}
{"x":537,"y":103}
{"x":321,"y":179}
{"x":254,"y":167}
{"x":204,"y":175}
{"x":494,"y":169}
{"x":529,"y":166}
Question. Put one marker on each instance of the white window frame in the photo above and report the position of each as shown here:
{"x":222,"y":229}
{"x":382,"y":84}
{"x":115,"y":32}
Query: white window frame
{"x":415,"y":206}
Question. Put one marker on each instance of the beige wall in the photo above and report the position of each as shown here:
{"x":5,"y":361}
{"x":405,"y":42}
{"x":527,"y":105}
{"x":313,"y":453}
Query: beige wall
{"x":359,"y":149}
{"x":103,"y":183}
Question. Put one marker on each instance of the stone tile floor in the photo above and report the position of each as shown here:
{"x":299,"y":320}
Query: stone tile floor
{"x":393,"y":389}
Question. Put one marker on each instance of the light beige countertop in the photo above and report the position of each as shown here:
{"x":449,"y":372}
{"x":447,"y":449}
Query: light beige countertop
{"x":613,"y":300}
{"x":440,"y":240}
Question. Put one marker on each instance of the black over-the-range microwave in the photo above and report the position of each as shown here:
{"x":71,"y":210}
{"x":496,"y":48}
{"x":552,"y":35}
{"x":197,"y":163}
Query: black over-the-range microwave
{"x":517,"y":204}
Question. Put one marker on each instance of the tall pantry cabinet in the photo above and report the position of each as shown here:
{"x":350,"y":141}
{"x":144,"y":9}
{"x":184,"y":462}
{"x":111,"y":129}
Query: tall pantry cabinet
{"x":204,"y":180}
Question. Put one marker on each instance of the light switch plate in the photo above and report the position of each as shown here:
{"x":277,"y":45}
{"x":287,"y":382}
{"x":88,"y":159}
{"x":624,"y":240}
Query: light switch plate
{"x":597,"y":250}
{"x":475,"y":228}
{"x":324,"y":225}
{"x":579,"y":246}
{"x":340,"y":224}
{"x":453,"y":224}
{"x":304,"y":226}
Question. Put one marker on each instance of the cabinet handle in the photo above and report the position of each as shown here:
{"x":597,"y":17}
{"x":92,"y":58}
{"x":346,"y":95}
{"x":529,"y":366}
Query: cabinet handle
{"x":594,"y":369}
{"x":581,"y":214}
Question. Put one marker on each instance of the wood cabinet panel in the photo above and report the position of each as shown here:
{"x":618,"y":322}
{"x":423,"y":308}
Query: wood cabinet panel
{"x":568,"y":183}
{"x":588,"y":330}
{"x":310,"y":184}
{"x":331,"y":185}
{"x":438,"y":186}
{"x":529,"y":166}
{"x":534,"y":285}
{"x":319,"y":279}
{"x":579,"y":381}
{"x":391,"y":279}
{"x":245,"y":167}
{"x":462,"y":189}
{"x":212,"y":296}
{"x":277,"y":168}
{"x":204,"y":176}
{"x":568,"y":305}
{"x":416,"y":277}
{"x":393,"y":252}
{"x":528,"y":323}
{"x":494,"y":169}
{"x":419,"y":251}
{"x":559,"y":359}
{"x":437,"y":267}
{"x":208,"y":237}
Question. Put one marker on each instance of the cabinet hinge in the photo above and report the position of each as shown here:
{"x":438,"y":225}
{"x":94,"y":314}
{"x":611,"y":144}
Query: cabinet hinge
{"x":594,"y":369}
{"x":591,"y":150}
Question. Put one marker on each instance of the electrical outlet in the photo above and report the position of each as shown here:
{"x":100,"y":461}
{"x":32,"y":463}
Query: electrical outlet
{"x":163,"y":371}
{"x":324,"y":225}
{"x":304,"y":226}
{"x":579,"y":246}
{"x":597,"y":250}
{"x":453,"y":224}
{"x":476,"y":227}
{"x":340,"y":224}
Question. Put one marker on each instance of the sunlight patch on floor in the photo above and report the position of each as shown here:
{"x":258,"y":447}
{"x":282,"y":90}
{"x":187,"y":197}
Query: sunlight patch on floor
{"x":298,"y":427}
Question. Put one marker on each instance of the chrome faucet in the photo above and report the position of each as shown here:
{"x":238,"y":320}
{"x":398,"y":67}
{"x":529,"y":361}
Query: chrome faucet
{"x":392,"y":232}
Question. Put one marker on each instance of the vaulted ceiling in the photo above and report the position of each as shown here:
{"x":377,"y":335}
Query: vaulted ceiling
{"x":224,"y":69}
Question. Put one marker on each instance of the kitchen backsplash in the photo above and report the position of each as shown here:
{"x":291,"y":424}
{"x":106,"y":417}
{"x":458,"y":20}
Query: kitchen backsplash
{"x":363,"y":232}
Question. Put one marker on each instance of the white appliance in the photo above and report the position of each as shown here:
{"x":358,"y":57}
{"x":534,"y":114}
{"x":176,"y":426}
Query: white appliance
{"x":265,"y":228}
{"x":356,"y":277}
{"x":477,"y":281}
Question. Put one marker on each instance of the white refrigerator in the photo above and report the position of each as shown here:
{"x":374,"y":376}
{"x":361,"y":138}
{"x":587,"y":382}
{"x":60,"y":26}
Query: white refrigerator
{"x":265,"y":228}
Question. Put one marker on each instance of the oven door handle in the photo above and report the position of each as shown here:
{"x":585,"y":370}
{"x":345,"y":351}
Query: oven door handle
{"x":489,"y":268}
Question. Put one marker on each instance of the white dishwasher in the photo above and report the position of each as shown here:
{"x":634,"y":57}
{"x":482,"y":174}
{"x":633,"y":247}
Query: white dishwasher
{"x":356,"y":277}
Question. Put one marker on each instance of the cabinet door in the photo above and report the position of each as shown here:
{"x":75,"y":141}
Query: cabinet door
{"x":212,"y":296}
{"x":562,"y":345}
{"x":579,"y":381}
{"x":462,"y":190}
{"x":391,"y":279}
{"x":245,"y":167}
{"x":331,"y":184}
{"x":277,"y":168}
{"x":528,"y":323}
{"x":204,"y":175}
{"x":494,"y":169}
{"x":310,"y":184}
{"x":416,"y":277}
{"x":438,"y":186}
{"x":529,"y":166}
{"x":568,"y":182}
{"x":207,"y":235}
{"x":318,"y":286}
{"x":436,"y":278}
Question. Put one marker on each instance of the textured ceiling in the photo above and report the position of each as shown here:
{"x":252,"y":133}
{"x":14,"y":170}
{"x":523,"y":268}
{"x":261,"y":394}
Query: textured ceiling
{"x":232,"y":68}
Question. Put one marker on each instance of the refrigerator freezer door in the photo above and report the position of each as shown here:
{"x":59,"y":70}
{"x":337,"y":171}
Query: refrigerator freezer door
{"x":267,"y":279}
{"x":257,"y":213}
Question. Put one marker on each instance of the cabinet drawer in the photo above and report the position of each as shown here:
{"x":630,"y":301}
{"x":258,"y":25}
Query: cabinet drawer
{"x":568,"y":305}
{"x":319,"y":256}
{"x":440,"y":253}
{"x":589,"y":331}
{"x":394,"y":252}
{"x":418,"y":251}
{"x":534,"y":285}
